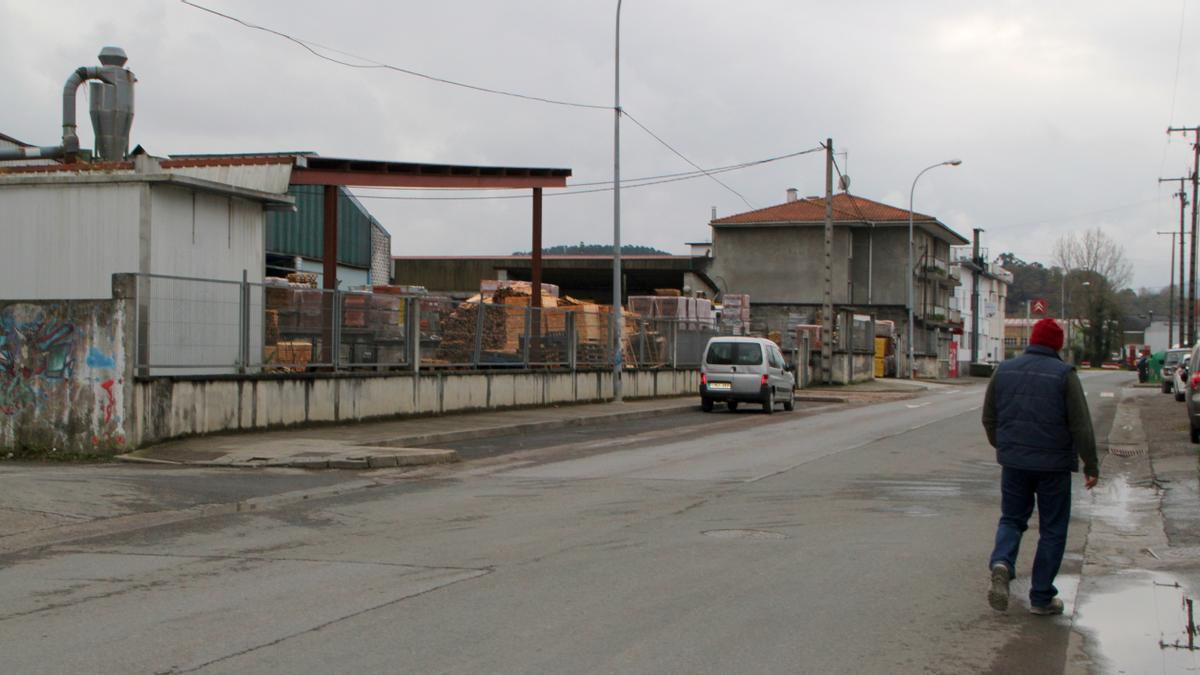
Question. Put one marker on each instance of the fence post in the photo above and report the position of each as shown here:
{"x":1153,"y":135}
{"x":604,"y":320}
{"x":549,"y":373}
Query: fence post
{"x":569,"y":324}
{"x":674,"y":345}
{"x":335,"y":354}
{"x":528,"y":329}
{"x":139,"y":359}
{"x":244,"y":323}
{"x":412,"y":316}
{"x":478,"y":354}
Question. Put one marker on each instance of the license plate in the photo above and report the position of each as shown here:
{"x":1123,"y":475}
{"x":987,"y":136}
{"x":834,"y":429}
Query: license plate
{"x":725,"y":386}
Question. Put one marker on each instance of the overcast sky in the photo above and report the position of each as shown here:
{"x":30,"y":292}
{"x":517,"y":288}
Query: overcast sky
{"x":1057,"y":109}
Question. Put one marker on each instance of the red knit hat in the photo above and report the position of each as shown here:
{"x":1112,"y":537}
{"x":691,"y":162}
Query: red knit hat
{"x":1047,"y":333}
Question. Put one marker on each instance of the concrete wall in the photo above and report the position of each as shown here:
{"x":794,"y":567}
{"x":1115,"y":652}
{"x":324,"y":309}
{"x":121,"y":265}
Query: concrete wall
{"x":64,"y":375}
{"x":780,"y":264}
{"x":170,"y":408}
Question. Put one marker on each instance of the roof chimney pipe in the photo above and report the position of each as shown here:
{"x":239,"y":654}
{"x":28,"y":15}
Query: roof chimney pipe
{"x":792,"y":195}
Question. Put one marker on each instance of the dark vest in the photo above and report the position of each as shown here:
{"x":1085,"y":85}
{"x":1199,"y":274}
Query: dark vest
{"x":1031,"y":412}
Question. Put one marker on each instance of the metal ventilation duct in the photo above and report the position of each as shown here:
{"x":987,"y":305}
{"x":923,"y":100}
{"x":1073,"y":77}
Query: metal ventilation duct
{"x":112,"y":105}
{"x":111,"y":109}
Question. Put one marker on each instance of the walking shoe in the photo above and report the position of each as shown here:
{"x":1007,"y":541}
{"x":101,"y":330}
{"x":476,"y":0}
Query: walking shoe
{"x":998,"y":593}
{"x":1055,"y":607}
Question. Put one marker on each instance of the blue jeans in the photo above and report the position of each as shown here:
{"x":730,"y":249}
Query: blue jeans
{"x":1052,"y":490}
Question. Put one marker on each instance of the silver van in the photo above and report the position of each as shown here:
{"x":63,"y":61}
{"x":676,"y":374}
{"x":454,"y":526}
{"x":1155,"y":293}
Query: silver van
{"x":745,"y":369}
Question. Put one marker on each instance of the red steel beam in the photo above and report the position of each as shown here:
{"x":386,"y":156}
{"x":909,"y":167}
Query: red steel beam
{"x":370,"y":179}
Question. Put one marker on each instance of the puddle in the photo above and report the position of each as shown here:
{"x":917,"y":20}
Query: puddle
{"x":1120,"y":505}
{"x":1137,"y":622}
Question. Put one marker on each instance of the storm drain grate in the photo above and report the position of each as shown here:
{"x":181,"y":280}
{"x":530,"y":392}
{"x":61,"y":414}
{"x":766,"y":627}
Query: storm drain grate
{"x":1127,"y":450}
{"x":744,"y":534}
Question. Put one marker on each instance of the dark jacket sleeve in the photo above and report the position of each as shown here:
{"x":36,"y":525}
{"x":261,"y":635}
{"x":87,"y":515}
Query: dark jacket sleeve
{"x":989,"y":411}
{"x":1079,"y":420}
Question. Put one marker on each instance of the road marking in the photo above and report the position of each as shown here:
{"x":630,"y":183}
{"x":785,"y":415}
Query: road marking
{"x":918,"y":405}
{"x":1107,"y":394}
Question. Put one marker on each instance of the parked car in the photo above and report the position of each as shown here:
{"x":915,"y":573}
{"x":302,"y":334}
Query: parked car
{"x":1180,"y":379}
{"x":745,"y":370}
{"x":1192,"y":396}
{"x":1170,"y":360}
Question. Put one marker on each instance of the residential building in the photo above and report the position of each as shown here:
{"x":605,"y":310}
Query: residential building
{"x":992,"y":282}
{"x":776,"y":255}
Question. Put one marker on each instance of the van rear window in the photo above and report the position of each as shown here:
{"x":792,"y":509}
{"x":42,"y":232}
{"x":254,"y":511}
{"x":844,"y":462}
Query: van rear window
{"x":734,"y":354}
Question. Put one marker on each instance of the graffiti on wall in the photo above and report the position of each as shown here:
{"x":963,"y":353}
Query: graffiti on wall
{"x":62,"y":374}
{"x":35,"y":357}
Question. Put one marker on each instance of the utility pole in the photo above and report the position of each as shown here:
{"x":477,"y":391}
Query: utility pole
{"x":1170,"y":296}
{"x":1195,"y":177}
{"x":827,"y":305}
{"x":1183,"y":202}
{"x":976,"y":268}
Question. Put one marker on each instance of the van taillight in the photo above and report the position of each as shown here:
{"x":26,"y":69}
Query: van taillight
{"x":703,"y":378}
{"x":1194,"y":384}
{"x":764,"y":380}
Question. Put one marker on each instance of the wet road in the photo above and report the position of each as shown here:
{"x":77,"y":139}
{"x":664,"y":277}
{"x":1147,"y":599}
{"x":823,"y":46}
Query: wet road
{"x":854,"y":540}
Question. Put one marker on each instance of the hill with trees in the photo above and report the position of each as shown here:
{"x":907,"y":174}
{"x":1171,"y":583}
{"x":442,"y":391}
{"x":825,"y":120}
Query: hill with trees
{"x":595,"y":249}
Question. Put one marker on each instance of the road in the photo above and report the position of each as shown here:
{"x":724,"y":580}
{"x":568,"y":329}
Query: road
{"x":848,"y":539}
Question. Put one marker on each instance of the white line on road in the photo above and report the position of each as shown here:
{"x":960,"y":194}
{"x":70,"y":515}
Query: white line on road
{"x":918,"y":405}
{"x":1106,"y":394}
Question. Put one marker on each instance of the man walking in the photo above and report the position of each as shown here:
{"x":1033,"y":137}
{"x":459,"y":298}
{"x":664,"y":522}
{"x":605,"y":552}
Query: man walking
{"x":1037,"y":418}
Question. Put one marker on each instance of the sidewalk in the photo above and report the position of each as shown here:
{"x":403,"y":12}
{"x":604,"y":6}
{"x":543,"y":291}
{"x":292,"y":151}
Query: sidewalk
{"x":410,"y":441}
{"x":415,"y":441}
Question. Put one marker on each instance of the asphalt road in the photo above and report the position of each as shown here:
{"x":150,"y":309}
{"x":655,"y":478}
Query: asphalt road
{"x":853,"y":540}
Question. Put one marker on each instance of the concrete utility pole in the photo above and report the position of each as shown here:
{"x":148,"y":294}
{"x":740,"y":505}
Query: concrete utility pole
{"x":827,"y":305}
{"x":1171,"y":297}
{"x":1183,"y":202}
{"x":976,"y":268}
{"x":617,"y":322}
{"x":1195,"y":178}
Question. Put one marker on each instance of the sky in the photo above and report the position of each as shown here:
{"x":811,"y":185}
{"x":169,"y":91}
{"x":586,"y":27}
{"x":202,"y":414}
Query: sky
{"x":1058,"y":111}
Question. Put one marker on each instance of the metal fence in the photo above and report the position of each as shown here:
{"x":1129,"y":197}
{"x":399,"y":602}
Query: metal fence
{"x":201,"y":326}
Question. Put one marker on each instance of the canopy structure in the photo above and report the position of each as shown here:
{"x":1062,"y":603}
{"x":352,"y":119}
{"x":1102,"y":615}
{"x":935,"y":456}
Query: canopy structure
{"x":334,"y":172}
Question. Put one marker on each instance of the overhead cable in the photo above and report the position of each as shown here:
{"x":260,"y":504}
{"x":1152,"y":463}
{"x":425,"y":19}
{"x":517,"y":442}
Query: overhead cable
{"x":313,"y":47}
{"x":630,"y":183}
{"x":681,"y":156}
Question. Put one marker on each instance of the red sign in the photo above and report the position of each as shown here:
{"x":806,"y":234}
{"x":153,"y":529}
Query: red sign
{"x":1039,"y":306}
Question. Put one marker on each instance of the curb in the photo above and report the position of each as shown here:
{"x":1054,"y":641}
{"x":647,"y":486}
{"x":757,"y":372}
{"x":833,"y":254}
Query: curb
{"x":523,"y":427}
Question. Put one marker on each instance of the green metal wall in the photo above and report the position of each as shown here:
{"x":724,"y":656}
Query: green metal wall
{"x":300,"y":233}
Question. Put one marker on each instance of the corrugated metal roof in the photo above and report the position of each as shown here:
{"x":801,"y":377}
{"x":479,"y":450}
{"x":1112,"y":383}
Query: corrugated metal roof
{"x":301,"y":233}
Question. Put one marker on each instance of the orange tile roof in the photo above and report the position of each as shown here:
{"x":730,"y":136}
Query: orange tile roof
{"x":846,"y":209}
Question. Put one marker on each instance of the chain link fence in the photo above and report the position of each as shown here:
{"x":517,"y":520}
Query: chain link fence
{"x":201,"y":326}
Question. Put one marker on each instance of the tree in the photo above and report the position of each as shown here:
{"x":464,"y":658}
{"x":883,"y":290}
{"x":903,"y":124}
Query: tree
{"x":1030,"y":280}
{"x":1096,"y":268}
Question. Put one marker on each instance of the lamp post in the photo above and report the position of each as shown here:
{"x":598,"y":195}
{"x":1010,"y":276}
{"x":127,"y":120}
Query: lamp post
{"x":618,"y":320}
{"x":911,"y":270}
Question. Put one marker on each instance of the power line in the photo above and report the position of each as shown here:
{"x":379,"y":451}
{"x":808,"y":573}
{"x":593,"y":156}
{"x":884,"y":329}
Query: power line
{"x":681,"y":156}
{"x":632,"y":183}
{"x":1175,"y":86}
{"x":369,"y":64}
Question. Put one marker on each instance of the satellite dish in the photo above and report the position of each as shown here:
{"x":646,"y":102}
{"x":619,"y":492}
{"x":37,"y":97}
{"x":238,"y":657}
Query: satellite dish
{"x":844,"y":183}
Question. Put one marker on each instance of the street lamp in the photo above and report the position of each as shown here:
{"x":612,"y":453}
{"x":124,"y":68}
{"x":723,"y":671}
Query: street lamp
{"x":618,"y":320}
{"x":911,"y":270}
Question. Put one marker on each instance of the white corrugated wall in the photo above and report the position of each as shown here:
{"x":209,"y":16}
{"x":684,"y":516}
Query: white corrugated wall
{"x":66,"y":241}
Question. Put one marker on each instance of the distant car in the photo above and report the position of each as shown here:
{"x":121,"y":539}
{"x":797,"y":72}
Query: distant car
{"x":1192,"y":396}
{"x":1170,"y":361}
{"x":1180,"y":378}
{"x":745,"y":369}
